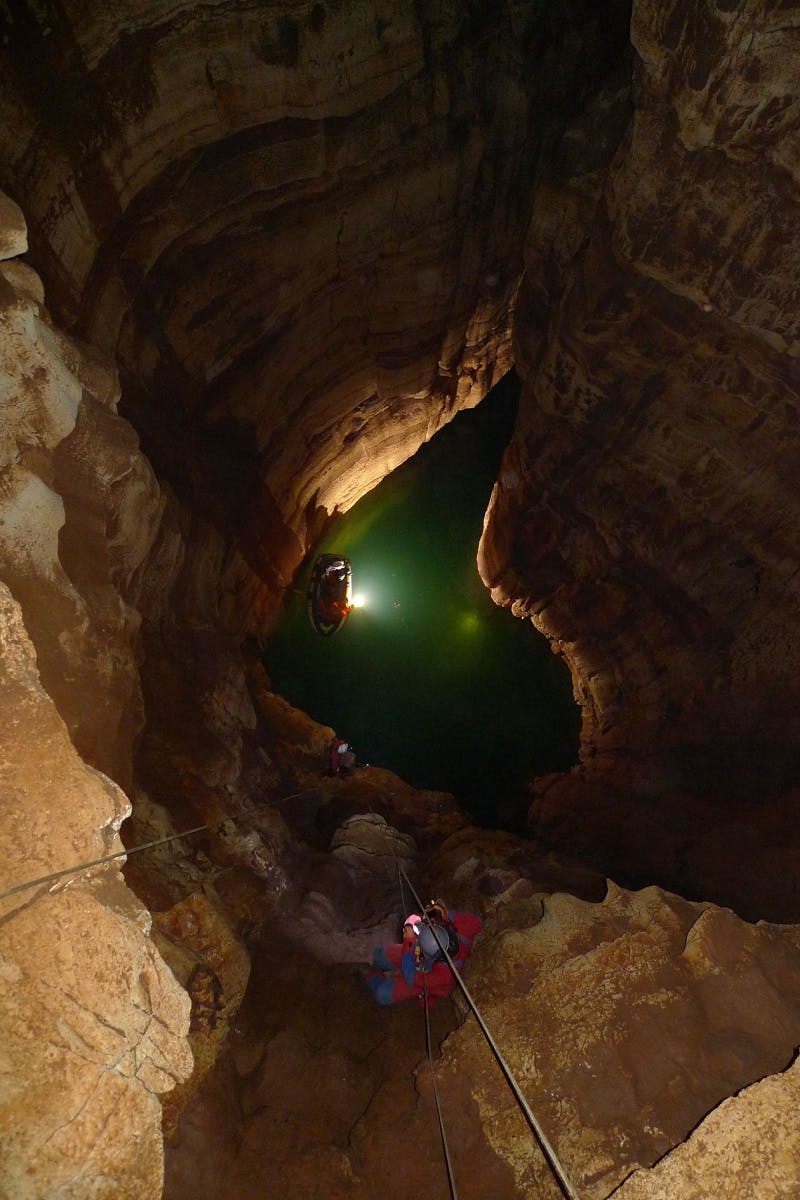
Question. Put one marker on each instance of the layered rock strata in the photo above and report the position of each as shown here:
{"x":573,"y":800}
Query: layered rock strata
{"x":298,"y":228}
{"x":647,"y":514}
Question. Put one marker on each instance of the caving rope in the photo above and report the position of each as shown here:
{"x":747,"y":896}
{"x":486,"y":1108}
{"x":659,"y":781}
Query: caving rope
{"x":450,"y":1176}
{"x":96,"y":862}
{"x":443,"y":1135}
{"x":403,"y":908}
{"x":549,"y":1153}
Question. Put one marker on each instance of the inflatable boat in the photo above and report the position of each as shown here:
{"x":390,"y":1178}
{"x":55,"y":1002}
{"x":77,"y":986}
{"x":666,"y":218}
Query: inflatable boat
{"x":330,"y":596}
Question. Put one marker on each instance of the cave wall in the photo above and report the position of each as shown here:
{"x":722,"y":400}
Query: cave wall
{"x":647,"y":514}
{"x":297,"y":227}
{"x":645,"y":517}
{"x":94,"y":1023}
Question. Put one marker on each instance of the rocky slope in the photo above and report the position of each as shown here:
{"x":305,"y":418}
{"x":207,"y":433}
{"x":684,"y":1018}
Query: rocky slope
{"x":627,"y":1022}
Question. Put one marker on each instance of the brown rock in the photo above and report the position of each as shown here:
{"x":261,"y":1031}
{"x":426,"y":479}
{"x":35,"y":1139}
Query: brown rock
{"x":300,"y":236}
{"x":72,"y":477}
{"x":625,"y":1023}
{"x":13,"y":230}
{"x":746,"y":1147}
{"x":94,"y":1023}
{"x":199,"y":945}
{"x":643,"y":518}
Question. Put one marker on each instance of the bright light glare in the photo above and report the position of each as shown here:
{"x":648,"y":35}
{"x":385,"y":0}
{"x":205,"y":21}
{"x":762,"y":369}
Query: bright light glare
{"x":359,"y":600}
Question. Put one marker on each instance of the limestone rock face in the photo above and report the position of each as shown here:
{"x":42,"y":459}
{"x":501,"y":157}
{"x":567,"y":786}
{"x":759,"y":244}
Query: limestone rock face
{"x":298,"y":230}
{"x":94,"y":1024}
{"x":647,"y":515}
{"x":725,"y":1155}
{"x":625,"y":1023}
{"x":79,"y":510}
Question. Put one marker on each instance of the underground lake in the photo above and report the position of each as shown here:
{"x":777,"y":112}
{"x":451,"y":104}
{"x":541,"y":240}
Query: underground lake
{"x":430,"y":678}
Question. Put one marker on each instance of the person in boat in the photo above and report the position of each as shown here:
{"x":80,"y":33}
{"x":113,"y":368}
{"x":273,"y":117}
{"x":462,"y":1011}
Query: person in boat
{"x":341,"y":757}
{"x":416,"y":966}
{"x":329,"y":595}
{"x":334,"y":610}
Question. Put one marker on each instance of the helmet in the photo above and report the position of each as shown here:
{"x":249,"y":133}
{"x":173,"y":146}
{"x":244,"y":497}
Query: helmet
{"x":432,"y":940}
{"x":413,"y":919}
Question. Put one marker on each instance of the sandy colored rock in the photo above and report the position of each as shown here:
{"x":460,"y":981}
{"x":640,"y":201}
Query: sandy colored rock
{"x":625,"y":1023}
{"x":72,"y":472}
{"x":94,"y":1023}
{"x":13,"y":230}
{"x":749,"y":1146}
{"x":642,"y":1030}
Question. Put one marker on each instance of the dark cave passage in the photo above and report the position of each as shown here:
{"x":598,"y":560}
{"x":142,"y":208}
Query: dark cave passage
{"x":430,"y":679}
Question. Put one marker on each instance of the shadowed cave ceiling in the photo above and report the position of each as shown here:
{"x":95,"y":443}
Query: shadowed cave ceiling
{"x":254,"y":255}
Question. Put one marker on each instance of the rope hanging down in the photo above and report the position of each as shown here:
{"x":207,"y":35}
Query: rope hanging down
{"x":403,"y":908}
{"x":547,"y":1149}
{"x":32,"y":883}
{"x":443,"y":1135}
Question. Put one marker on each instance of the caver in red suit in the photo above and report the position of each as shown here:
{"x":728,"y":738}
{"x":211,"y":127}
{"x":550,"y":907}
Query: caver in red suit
{"x":340,"y":756}
{"x":404,"y":971}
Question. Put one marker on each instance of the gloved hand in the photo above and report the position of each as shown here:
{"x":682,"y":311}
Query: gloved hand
{"x":440,"y":907}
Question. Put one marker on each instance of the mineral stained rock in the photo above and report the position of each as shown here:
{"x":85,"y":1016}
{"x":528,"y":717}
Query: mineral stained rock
{"x":195,"y":940}
{"x":625,"y":1023}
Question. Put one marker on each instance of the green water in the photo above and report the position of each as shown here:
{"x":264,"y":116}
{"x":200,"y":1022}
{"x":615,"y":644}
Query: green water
{"x":430,"y":678}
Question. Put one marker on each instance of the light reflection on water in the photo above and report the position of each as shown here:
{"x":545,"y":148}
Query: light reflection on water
{"x":430,"y":678}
